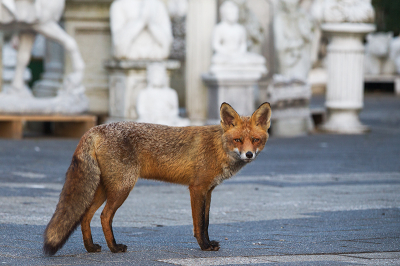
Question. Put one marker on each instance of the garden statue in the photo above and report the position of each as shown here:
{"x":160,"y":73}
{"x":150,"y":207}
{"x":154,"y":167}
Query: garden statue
{"x":229,"y":42}
{"x":293,"y":31}
{"x":140,"y":29}
{"x":29,"y":18}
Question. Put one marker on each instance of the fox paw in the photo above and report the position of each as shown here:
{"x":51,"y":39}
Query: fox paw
{"x":213,"y":246}
{"x":93,"y":248}
{"x":118,"y":248}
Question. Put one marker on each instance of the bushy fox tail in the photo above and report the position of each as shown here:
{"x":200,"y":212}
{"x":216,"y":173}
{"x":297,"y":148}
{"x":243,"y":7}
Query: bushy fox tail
{"x":82,"y":180}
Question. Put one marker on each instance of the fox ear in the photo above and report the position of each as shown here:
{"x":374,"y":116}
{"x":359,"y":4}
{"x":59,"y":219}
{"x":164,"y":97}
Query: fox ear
{"x":229,"y":117}
{"x":262,"y":116}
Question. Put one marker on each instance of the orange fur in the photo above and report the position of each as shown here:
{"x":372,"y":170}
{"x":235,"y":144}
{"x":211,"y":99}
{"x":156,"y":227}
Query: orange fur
{"x":110,"y":158}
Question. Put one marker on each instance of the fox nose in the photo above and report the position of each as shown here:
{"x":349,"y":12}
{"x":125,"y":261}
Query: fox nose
{"x":249,"y":154}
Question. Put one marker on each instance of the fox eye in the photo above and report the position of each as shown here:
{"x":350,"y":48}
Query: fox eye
{"x":256,"y":140}
{"x":237,"y":140}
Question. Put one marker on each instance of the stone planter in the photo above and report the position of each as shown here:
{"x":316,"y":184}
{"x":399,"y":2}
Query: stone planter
{"x":345,"y":88}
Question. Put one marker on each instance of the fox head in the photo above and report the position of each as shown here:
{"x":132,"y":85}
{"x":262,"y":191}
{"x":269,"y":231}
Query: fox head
{"x":244,"y":137}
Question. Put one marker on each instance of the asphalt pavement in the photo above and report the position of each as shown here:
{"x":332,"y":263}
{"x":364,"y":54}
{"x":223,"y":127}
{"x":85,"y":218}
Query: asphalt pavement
{"x":321,"y":199}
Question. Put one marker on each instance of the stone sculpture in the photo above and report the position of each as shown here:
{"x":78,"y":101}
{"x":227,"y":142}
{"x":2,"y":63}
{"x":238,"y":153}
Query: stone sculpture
{"x":234,"y":71}
{"x":293,"y":30}
{"x":352,"y":11}
{"x":378,"y":60}
{"x":346,"y":22}
{"x":288,"y":92}
{"x":230,"y":45}
{"x":141,"y":29}
{"x":158,"y":104}
{"x":41,"y":16}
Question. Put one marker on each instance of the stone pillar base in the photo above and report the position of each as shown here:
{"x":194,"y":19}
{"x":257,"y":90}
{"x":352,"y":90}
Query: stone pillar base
{"x":46,"y":88}
{"x":344,"y":121}
{"x":238,"y":92}
{"x":289,"y":101}
{"x":126,"y":79}
{"x":291,"y":122}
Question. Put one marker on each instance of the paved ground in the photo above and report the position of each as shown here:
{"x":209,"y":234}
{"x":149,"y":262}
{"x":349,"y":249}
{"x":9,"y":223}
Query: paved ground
{"x":315,"y":200}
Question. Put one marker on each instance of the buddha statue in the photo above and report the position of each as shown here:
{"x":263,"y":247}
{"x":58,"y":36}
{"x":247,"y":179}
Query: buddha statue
{"x":229,"y":42}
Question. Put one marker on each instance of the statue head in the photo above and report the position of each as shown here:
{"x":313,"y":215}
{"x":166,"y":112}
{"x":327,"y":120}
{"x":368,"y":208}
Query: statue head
{"x":229,"y":12}
{"x":156,"y":75}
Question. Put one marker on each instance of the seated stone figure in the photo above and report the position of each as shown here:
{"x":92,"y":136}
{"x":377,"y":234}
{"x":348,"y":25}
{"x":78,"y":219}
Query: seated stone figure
{"x":158,"y":104}
{"x":229,"y":44}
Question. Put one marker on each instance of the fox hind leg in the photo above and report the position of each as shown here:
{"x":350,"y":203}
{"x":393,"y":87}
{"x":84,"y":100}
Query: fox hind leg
{"x":114,"y":201}
{"x":99,"y":198}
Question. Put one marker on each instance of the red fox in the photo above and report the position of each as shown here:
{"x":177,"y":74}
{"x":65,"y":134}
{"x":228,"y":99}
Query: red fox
{"x":111,"y":157}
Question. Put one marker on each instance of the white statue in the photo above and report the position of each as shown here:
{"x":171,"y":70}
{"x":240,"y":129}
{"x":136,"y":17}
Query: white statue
{"x":353,"y":11}
{"x":140,"y":29}
{"x":377,"y":54}
{"x":229,"y":42}
{"x":293,"y":32}
{"x":40,"y":16}
{"x":158,"y":104}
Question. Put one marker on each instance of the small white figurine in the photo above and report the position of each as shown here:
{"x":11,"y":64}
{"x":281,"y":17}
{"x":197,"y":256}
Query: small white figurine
{"x":158,"y":104}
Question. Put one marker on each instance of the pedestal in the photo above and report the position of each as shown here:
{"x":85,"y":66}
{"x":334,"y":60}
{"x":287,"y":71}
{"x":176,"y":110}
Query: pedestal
{"x":291,"y":115}
{"x":345,"y":88}
{"x":88,"y":22}
{"x":238,"y":92}
{"x":126,"y":79}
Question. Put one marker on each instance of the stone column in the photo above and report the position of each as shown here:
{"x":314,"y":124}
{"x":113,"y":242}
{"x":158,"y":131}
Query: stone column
{"x":201,"y":18}
{"x":345,"y":88}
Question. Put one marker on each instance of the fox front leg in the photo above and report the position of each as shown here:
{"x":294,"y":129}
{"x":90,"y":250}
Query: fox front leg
{"x":213,"y":243}
{"x":200,"y":213}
